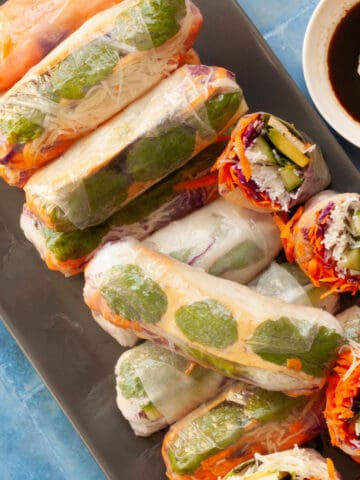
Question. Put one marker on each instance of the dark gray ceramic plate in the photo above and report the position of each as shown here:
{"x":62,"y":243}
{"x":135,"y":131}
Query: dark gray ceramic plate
{"x":45,"y":311}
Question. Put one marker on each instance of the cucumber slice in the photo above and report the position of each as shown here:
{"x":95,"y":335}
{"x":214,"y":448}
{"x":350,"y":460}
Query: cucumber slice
{"x":289,"y":177}
{"x":355,"y":223}
{"x":352,"y":261}
{"x":287,"y":148}
{"x":263,"y":151}
{"x":151,"y":412}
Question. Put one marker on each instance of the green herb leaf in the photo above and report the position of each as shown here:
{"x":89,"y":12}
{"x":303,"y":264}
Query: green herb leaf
{"x":155,"y":156}
{"x":279,"y":340}
{"x":150,"y":23}
{"x":240,"y":256}
{"x":130,"y":293}
{"x":221,"y":108}
{"x":207,"y":322}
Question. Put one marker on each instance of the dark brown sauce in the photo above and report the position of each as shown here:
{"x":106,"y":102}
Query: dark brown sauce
{"x":343,"y":62}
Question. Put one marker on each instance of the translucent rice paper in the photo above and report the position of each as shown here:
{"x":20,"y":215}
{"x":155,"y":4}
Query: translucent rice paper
{"x":288,"y":283}
{"x":154,"y":136}
{"x":111,"y":60}
{"x":69,"y":252}
{"x":304,"y":463}
{"x":240,"y":421}
{"x":262,"y":189}
{"x":318,"y":236}
{"x":349,"y":319}
{"x":223,"y":239}
{"x":215,"y":322}
{"x":27,"y":37}
{"x":156,"y":387}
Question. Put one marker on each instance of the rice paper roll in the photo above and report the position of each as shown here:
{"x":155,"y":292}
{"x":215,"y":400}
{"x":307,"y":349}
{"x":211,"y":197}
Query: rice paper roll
{"x":223,"y":239}
{"x":342,"y":411}
{"x":153,"y":137}
{"x":215,"y":322}
{"x":112,"y":59}
{"x":238,"y":422}
{"x":156,"y":387}
{"x":323,"y":238}
{"x":269,"y":165}
{"x":69,"y":252}
{"x":287,"y":282}
{"x":28,"y":37}
{"x":298,"y":463}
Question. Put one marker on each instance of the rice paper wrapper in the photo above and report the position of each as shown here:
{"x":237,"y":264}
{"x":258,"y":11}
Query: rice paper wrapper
{"x":304,"y":463}
{"x":269,"y":181}
{"x":319,"y":237}
{"x":156,"y":387}
{"x":349,"y":319}
{"x":215,"y":322}
{"x":240,"y":421}
{"x":114,"y":58}
{"x":69,"y":252}
{"x":27,"y":38}
{"x":222,"y":239}
{"x":152,"y":138}
{"x":287,"y":282}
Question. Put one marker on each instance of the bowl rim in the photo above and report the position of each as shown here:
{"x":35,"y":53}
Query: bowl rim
{"x":319,"y":31}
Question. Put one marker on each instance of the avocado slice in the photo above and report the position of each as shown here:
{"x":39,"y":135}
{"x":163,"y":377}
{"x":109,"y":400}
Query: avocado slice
{"x":355,"y":223}
{"x":290,"y":178}
{"x":352,"y":261}
{"x":287,"y":148}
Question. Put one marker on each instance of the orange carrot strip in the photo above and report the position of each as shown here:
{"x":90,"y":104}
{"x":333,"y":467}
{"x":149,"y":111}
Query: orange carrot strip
{"x":331,"y":469}
{"x":205,"y":181}
{"x":294,"y":364}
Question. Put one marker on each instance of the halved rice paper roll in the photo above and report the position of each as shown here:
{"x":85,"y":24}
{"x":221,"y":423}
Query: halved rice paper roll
{"x":69,"y":252}
{"x":111,"y":60}
{"x":240,"y":421}
{"x":342,"y":411}
{"x":269,"y":165}
{"x":323,"y":238}
{"x":298,"y":463}
{"x":223,"y":239}
{"x":153,"y":137}
{"x":29,"y":36}
{"x":215,"y":322}
{"x":156,"y":387}
{"x":289,"y":283}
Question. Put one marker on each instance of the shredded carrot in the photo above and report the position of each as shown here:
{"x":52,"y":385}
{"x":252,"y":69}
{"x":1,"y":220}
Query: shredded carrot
{"x":331,"y":469}
{"x":294,"y":364}
{"x":205,"y":181}
{"x":189,"y":369}
{"x":309,"y":252}
{"x":340,"y":395}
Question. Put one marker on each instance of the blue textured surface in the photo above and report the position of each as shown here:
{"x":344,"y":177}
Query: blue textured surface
{"x":36,"y":439}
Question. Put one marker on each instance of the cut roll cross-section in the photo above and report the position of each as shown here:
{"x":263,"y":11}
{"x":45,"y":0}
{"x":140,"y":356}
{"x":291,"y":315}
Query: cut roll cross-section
{"x":150,"y":139}
{"x":269,"y":165}
{"x":241,"y":420}
{"x":342,"y":411}
{"x":295,"y":464}
{"x":114,"y":58}
{"x":324,"y":239}
{"x":215,"y":322}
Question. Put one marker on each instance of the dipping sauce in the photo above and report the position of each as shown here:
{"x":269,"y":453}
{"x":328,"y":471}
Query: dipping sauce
{"x":343,"y":62}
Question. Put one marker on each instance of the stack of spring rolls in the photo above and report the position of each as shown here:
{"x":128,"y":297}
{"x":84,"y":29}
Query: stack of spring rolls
{"x":123,"y":149}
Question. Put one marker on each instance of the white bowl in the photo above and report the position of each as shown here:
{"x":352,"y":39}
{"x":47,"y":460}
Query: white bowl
{"x":322,"y":25}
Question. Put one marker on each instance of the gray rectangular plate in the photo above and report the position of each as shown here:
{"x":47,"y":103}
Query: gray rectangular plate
{"x":45,"y":312}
